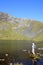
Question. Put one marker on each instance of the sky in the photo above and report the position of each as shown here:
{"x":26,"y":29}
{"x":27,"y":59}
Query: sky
{"x":31,"y":9}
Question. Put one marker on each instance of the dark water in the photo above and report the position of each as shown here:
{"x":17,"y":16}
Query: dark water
{"x":40,"y":62}
{"x":26,"y":62}
{"x":29,"y":62}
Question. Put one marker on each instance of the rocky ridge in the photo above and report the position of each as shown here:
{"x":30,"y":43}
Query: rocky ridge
{"x":25,"y":27}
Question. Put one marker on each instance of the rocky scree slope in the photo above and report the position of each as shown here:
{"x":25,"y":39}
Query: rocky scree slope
{"x":13,"y":28}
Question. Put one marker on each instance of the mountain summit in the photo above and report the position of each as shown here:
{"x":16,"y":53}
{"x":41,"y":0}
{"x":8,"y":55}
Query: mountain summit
{"x":13,"y":28}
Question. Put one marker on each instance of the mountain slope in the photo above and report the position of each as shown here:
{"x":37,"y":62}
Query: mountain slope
{"x":12,"y":28}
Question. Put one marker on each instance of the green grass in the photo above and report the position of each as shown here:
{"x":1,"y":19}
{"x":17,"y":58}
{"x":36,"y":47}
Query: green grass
{"x":11,"y":34}
{"x":39,"y":37}
{"x":18,"y":64}
{"x":37,"y":26}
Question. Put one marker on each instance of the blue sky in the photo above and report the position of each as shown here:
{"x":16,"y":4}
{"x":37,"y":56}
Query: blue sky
{"x":31,"y":9}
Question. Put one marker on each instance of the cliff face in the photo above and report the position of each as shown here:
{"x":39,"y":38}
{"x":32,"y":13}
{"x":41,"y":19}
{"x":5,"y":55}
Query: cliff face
{"x":14,"y":28}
